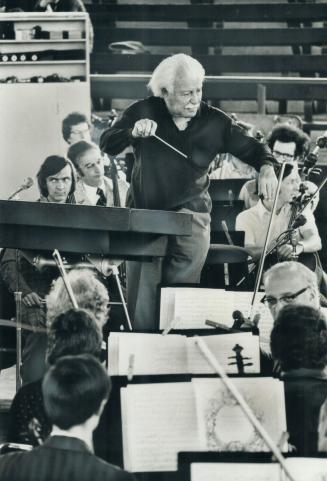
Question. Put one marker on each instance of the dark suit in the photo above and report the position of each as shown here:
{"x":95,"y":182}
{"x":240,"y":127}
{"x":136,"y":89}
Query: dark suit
{"x":60,"y":458}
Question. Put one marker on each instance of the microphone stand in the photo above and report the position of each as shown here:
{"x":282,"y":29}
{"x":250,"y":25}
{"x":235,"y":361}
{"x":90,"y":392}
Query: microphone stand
{"x":213,"y":362}
{"x":265,"y":247}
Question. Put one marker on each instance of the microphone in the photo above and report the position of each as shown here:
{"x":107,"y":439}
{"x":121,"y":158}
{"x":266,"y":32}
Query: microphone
{"x":238,"y":318}
{"x":299,"y":222}
{"x":26,"y":185}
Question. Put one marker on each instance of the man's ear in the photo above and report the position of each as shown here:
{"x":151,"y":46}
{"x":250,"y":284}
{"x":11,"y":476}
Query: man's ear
{"x":164,"y":92}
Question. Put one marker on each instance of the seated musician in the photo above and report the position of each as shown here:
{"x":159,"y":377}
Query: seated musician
{"x":254,"y":222}
{"x":291,"y":282}
{"x":70,"y":332}
{"x":74,"y":331}
{"x":299,"y":344}
{"x":93,"y":187}
{"x":75,"y":391}
{"x":288,"y":144}
{"x":56,"y":181}
{"x":75,"y":127}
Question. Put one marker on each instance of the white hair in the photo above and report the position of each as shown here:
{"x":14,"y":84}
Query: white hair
{"x":295,"y":270}
{"x":89,"y":292}
{"x":165,"y":74}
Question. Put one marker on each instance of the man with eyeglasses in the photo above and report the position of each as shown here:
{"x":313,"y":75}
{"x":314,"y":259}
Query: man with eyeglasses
{"x":288,"y":144}
{"x":290,"y":283}
{"x":76,"y":127}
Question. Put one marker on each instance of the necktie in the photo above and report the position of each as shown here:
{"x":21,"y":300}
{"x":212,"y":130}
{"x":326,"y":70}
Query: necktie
{"x":102,"y":198}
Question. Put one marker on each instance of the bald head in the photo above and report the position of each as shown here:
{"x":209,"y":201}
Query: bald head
{"x":290,"y":282}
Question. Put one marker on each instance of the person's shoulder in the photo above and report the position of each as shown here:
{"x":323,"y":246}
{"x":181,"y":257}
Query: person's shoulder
{"x":30,"y":389}
{"x":247,"y":216}
{"x":215,"y":112}
{"x":111,"y":472}
{"x":147,"y":104}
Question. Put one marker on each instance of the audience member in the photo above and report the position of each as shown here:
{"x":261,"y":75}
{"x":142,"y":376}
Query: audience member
{"x":93,"y":187}
{"x":68,"y":453}
{"x":56,"y":183}
{"x":299,"y":344}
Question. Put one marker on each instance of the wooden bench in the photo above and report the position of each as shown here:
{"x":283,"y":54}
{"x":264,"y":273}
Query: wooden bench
{"x":259,"y":88}
{"x":195,"y":34}
{"x":104,"y":15}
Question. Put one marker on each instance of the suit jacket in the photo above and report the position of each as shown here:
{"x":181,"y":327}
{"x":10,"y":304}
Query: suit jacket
{"x":304,"y":396}
{"x":60,"y":458}
{"x":82,"y":198}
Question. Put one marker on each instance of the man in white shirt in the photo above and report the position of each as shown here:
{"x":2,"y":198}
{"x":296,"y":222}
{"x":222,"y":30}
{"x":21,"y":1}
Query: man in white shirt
{"x":93,"y":187}
{"x":254,"y":222}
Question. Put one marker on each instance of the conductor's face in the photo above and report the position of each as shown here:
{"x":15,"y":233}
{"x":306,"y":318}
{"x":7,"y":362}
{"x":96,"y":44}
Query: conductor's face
{"x":184,"y":100}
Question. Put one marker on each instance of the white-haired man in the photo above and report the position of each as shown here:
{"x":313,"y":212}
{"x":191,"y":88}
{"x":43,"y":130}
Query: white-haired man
{"x":290,"y":282}
{"x":164,"y":179}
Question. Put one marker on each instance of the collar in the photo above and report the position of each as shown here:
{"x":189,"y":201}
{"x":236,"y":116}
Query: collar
{"x":92,"y":190}
{"x":67,"y":443}
{"x":263,"y":212}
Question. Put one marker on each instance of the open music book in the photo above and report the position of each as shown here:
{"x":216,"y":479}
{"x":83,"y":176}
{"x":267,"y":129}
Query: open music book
{"x":190,"y":307}
{"x":161,"y":419}
{"x":141,"y":354}
{"x":222,"y":423}
{"x":302,"y":469}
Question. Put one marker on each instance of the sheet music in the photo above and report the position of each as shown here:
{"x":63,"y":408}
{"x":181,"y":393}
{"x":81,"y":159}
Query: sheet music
{"x":195,"y":305}
{"x":167,"y":306}
{"x":307,"y":469}
{"x":235,"y":472}
{"x":222,"y":346}
{"x":153,"y":354}
{"x":113,"y":354}
{"x":159,"y":420}
{"x":223,"y":425}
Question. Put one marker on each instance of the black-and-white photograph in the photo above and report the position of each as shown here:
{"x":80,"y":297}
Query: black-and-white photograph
{"x":163,"y":240}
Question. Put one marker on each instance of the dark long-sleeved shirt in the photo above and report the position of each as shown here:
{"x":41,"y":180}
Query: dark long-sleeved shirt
{"x":162,"y":178}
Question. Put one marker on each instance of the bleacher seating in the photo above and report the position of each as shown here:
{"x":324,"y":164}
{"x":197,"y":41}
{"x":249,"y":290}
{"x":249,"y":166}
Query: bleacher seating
{"x":239,"y":26}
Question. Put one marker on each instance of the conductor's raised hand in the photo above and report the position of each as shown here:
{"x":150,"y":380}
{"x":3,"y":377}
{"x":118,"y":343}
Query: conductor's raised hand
{"x":144,"y":128}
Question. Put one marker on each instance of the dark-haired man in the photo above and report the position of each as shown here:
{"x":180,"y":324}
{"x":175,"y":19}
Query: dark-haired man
{"x":56,"y":182}
{"x":75,"y":391}
{"x":76,"y":127}
{"x":288,"y":144}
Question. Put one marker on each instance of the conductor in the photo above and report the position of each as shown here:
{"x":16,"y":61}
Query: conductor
{"x":176,"y":179}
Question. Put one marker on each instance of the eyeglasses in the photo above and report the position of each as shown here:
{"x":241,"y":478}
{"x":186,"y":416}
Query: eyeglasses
{"x":283,"y":154}
{"x":272,"y":301}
